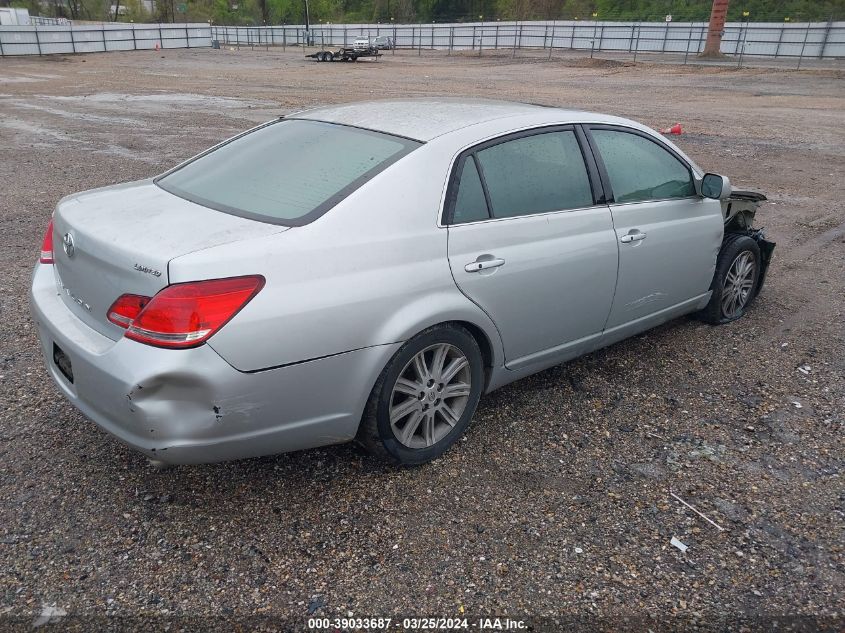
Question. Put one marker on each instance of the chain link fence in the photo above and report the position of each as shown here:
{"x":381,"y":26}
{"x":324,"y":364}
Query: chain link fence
{"x":798,"y":41}
{"x":99,"y":38}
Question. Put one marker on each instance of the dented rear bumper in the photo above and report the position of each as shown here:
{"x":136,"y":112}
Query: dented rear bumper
{"x":191,"y":406}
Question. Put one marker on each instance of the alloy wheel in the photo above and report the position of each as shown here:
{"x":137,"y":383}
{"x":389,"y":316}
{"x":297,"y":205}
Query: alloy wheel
{"x":739,"y":283}
{"x":430,"y":395}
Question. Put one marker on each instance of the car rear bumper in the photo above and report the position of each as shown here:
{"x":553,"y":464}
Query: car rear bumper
{"x":191,"y":406}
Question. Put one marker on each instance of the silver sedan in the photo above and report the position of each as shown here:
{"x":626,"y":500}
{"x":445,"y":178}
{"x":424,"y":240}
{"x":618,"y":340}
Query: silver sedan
{"x":368,"y":271}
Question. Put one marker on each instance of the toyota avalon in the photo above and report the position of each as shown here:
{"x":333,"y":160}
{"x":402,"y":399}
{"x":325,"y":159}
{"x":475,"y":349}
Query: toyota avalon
{"x":368,"y":271}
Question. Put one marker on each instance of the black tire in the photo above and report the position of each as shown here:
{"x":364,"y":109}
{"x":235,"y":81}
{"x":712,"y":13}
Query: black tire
{"x":377,"y":434}
{"x":734,"y":246}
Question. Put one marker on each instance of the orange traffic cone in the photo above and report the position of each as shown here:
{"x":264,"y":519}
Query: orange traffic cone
{"x":675,"y":129}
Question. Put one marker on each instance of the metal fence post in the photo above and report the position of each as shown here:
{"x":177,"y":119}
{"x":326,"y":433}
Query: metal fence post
{"x":1,"y":45}
{"x":593,"y":41}
{"x":552,"y":42}
{"x":572,"y":38}
{"x":160,"y":40}
{"x":473,"y":38}
{"x":419,"y":42}
{"x":38,"y":40}
{"x":637,"y":45}
{"x":284,"y":39}
{"x":631,"y":47}
{"x":689,"y":41}
{"x":187,"y":37}
{"x":102,"y":34}
{"x":451,"y":39}
{"x":803,"y":46}
{"x":780,"y":39}
{"x":496,"y":41}
{"x":601,"y":35}
{"x":480,"y":40}
{"x":72,"y":40}
{"x":742,"y":50}
{"x":826,"y":36}
{"x":513,"y":54}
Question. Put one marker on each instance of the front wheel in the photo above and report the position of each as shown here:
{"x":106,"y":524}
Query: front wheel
{"x":735,"y":282}
{"x":425,"y":398}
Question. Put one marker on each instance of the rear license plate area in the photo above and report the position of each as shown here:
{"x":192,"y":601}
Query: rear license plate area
{"x":62,"y":363}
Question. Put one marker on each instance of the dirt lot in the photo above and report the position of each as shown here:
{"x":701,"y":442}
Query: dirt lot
{"x":557,"y":504}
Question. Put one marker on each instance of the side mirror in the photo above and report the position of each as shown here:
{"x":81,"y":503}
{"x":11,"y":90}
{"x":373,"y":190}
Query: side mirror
{"x":716,"y":187}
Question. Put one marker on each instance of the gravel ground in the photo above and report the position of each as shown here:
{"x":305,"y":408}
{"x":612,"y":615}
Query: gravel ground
{"x":557,"y":505}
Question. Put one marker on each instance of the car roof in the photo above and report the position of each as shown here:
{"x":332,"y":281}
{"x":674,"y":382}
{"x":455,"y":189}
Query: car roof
{"x":426,"y":119}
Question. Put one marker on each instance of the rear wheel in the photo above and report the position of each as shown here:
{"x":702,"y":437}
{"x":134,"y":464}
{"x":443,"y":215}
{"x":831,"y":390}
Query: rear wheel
{"x":735,"y":281}
{"x":425,"y":398}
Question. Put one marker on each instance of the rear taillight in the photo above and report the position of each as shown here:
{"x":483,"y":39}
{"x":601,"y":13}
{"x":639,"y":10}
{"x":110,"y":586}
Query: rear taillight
{"x":47,"y":246}
{"x":126,"y":309}
{"x":187,"y":314}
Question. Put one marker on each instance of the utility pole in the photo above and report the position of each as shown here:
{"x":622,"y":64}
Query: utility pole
{"x":718,"y":15}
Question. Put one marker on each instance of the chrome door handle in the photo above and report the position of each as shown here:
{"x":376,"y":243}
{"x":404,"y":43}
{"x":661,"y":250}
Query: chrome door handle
{"x":633,"y":236}
{"x":484,"y":264}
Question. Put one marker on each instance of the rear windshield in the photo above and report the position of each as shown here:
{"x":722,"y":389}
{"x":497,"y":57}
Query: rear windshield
{"x":289,"y":172}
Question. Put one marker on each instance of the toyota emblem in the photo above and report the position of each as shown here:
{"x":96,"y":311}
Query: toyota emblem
{"x":67,"y":244}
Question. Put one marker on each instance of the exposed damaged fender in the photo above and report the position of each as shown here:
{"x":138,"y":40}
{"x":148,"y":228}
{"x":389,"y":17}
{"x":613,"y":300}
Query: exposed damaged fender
{"x":739,"y":211}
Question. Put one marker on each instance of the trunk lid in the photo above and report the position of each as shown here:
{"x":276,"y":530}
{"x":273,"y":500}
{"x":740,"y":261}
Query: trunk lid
{"x":117,"y":240}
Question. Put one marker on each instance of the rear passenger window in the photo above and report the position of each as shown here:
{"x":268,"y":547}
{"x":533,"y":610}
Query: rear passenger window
{"x":535,"y":174}
{"x":470,"y":204}
{"x":640,"y":169}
